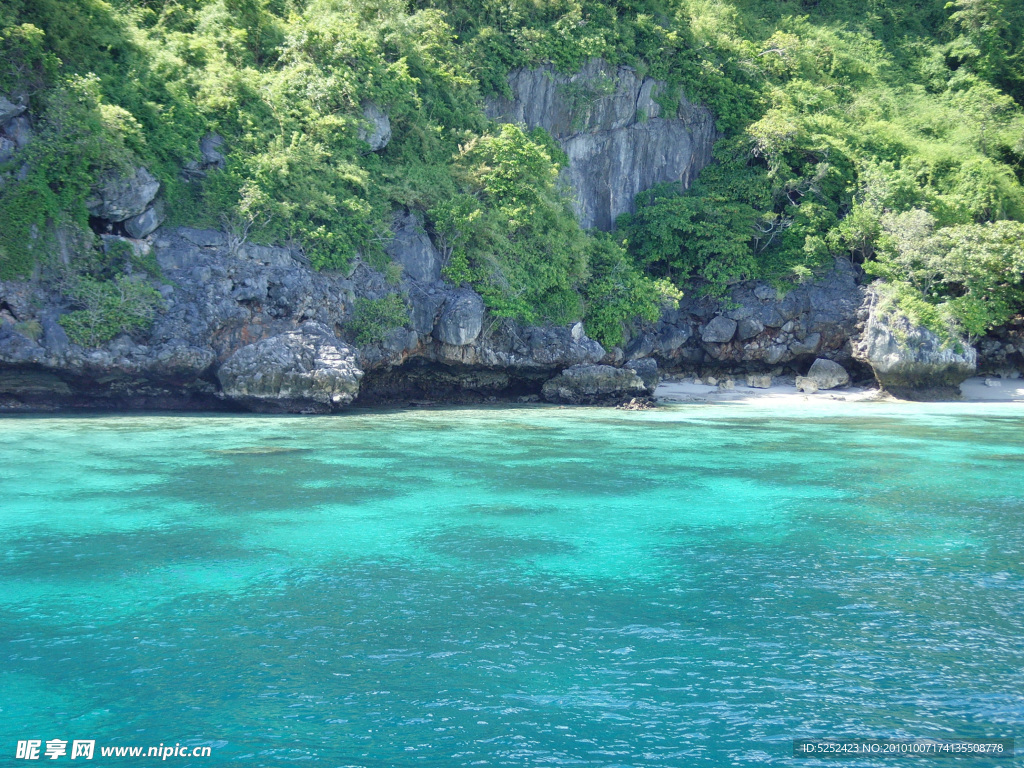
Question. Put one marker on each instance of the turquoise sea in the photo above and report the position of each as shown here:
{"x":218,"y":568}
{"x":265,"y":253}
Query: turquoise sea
{"x":690,"y":586}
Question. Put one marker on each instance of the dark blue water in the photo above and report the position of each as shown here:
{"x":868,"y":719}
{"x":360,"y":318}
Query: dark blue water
{"x":693,"y":586}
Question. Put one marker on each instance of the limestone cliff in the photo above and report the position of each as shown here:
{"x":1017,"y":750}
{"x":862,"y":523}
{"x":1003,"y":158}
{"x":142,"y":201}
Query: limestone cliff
{"x":618,"y":139}
{"x":254,"y":326}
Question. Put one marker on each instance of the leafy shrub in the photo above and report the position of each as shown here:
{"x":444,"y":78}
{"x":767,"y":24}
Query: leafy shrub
{"x":967,"y":278}
{"x":618,"y":293}
{"x":510,"y":234}
{"x":373,"y":319}
{"x":108,"y":308}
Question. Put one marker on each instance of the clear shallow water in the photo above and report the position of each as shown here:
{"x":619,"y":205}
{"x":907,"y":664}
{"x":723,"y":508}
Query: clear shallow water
{"x":695,"y":585}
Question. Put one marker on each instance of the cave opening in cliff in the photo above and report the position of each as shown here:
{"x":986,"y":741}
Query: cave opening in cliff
{"x":106,"y":227}
{"x":420,"y":381}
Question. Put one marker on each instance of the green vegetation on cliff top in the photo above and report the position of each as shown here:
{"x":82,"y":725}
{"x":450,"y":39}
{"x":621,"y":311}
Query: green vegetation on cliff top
{"x":888,"y":131}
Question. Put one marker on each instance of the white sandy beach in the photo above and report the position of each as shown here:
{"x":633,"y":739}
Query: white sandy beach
{"x":974,"y":390}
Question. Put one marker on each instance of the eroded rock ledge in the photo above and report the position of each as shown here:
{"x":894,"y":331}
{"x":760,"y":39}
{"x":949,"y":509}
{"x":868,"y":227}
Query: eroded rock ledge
{"x":255,"y":328}
{"x":912,"y":362}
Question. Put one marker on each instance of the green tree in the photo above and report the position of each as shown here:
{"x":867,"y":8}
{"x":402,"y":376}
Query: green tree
{"x":108,"y":308}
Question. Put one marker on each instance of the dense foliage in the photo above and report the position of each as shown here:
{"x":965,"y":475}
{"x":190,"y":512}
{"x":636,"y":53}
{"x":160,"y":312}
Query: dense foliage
{"x":108,"y":307}
{"x":373,"y":319}
{"x":889,"y":131}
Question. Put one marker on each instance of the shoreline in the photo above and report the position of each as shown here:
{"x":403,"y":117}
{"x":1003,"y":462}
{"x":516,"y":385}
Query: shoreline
{"x":675,"y":391}
{"x":978,"y":389}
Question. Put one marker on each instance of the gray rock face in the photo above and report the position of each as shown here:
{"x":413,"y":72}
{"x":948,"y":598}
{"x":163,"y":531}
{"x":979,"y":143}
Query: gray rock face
{"x":119,"y":197}
{"x":218,"y":301}
{"x":594,"y":385}
{"x":748,"y":328}
{"x":606,"y":120}
{"x":755,"y":328}
{"x":911,"y":361}
{"x":308,"y":368}
{"x":377,"y":131}
{"x":413,"y":250}
{"x":647,"y":370}
{"x":9,"y":110}
{"x":721,"y":329}
{"x":204,"y":238}
{"x":806,"y":346}
{"x":145,"y":223}
{"x":18,"y":130}
{"x":461,"y":320}
{"x":1001,"y":351}
{"x":210,"y":147}
{"x":828,"y":374}
{"x":211,"y":157}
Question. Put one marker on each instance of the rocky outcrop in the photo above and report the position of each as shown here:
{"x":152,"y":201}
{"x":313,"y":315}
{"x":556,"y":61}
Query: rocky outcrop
{"x":122,"y":195}
{"x":307,"y":369}
{"x":609,"y":123}
{"x":219,"y":304}
{"x":411,"y":247}
{"x":595,"y":385}
{"x":377,"y":129}
{"x":1001,"y":351}
{"x":15,"y":130}
{"x":145,"y":223}
{"x":210,"y":150}
{"x":211,"y":158}
{"x":9,"y":110}
{"x":461,"y":320}
{"x":756,"y":328}
{"x":647,"y":370}
{"x":254,"y":326}
{"x":911,"y":361}
{"x":218,"y":301}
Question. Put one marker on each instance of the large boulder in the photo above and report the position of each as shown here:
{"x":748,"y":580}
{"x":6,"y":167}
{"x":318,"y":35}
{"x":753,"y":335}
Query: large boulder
{"x":647,"y":369}
{"x":720,"y":330}
{"x":19,"y":131}
{"x":462,"y":319}
{"x":411,"y":247}
{"x":307,"y":369}
{"x":828,"y":374}
{"x":911,"y":361}
{"x":145,"y":223}
{"x":377,"y":130}
{"x":594,"y":385}
{"x":121,"y":196}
